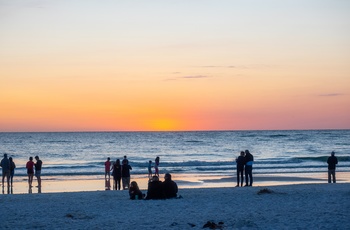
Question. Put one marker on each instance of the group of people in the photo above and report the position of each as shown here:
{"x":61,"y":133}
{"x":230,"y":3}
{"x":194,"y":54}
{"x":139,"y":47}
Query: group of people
{"x":120,"y":172}
{"x":245,"y":164}
{"x":8,"y":170}
{"x":156,"y":189}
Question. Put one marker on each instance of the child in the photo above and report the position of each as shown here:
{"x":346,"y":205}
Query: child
{"x":150,"y":169}
{"x":156,"y":166}
{"x":108,"y":168}
{"x":134,"y":191}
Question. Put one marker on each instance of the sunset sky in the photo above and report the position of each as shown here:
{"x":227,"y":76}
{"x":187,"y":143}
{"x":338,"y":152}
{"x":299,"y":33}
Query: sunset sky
{"x":92,"y":65}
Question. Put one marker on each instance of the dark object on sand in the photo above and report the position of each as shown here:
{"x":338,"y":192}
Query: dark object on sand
{"x":212,"y":225}
{"x":265,"y":191}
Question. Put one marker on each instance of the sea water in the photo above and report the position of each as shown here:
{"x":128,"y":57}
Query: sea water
{"x":82,"y":154}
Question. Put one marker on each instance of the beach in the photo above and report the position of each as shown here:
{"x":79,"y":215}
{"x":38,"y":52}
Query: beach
{"x":297,"y":206}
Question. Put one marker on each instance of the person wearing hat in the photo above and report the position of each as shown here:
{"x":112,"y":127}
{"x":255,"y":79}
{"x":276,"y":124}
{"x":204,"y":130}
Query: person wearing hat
{"x":332,"y":161}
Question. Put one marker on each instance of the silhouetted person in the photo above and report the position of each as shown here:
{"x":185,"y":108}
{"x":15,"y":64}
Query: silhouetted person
{"x":332,"y":161}
{"x":117,"y":174}
{"x":38,"y":166}
{"x":155,"y":189}
{"x":30,"y":171}
{"x":240,"y":161}
{"x":169,"y":187}
{"x":108,"y":168}
{"x":12,"y":170}
{"x":5,"y":165}
{"x":248,"y":168}
{"x":126,"y":174}
{"x":134,"y":191}
{"x":156,"y":165}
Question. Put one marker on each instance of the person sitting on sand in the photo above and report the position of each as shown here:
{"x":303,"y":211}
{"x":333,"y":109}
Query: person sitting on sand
{"x":332,"y":161}
{"x":248,"y":168}
{"x":240,"y":168}
{"x":155,"y":189}
{"x":170,"y":188}
{"x":134,"y":191}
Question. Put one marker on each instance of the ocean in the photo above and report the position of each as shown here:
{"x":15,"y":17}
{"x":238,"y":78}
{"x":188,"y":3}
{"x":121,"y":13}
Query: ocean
{"x":211,"y":153}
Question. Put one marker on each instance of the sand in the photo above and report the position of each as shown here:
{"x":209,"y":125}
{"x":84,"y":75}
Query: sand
{"x":299,"y":206}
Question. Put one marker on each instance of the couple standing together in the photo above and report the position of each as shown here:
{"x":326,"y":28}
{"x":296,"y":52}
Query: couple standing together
{"x":245,"y":164}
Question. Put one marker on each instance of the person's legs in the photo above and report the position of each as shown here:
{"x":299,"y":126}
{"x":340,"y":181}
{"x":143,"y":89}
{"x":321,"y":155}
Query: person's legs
{"x":118,"y":183}
{"x":251,"y":176}
{"x":333,"y":175}
{"x":238,"y":171}
{"x":329,"y":176}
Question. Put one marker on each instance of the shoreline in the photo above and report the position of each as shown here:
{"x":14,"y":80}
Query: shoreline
{"x":184,"y":181}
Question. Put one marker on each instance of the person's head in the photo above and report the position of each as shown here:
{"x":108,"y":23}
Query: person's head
{"x":332,"y":153}
{"x":242,"y":153}
{"x":167,"y":176}
{"x":247,"y":152}
{"x":150,"y":162}
{"x":10,"y":159}
{"x":36,"y":158}
{"x":108,"y":158}
{"x":117,"y":162}
{"x":134,"y":185}
{"x":5,"y":155}
{"x":31,"y":158}
{"x":155,"y":178}
{"x":125,"y":157}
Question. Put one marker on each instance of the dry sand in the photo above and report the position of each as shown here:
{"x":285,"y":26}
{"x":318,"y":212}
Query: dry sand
{"x":301,"y":206}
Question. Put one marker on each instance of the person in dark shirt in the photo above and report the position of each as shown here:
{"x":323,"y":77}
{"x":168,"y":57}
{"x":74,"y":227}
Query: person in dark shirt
{"x":134,"y":191}
{"x":117,"y":174}
{"x":126,"y":174}
{"x":38,"y":165}
{"x":5,"y":165}
{"x":240,"y":168}
{"x":248,"y":168}
{"x":332,"y":161}
{"x":169,"y":187}
{"x":155,"y":189}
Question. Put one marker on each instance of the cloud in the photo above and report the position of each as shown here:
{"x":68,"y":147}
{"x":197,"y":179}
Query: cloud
{"x":331,"y":95}
{"x":194,"y":77}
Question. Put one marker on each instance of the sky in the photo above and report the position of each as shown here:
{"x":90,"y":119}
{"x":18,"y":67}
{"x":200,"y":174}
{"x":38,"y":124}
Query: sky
{"x":132,"y":65}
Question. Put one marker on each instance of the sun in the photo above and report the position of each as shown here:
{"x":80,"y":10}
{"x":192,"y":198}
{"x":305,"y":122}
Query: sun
{"x":163,"y":125}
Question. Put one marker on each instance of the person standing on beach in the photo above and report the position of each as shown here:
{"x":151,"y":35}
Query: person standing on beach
{"x":5,"y":165}
{"x":108,"y":168}
{"x":30,"y":171}
{"x":126,"y":174}
{"x":332,"y":161}
{"x":156,"y":165}
{"x":38,"y":165}
{"x":117,"y":174}
{"x":149,"y":169}
{"x":240,"y":161}
{"x":12,"y":170}
{"x":125,"y":160}
{"x":248,"y":168}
